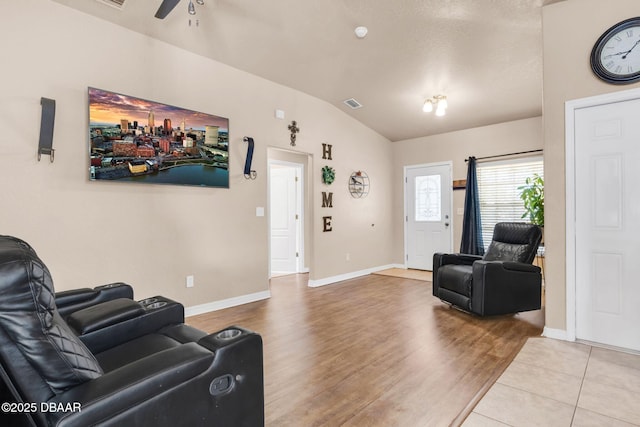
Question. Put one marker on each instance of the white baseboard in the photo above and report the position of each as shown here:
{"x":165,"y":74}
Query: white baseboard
{"x":558,"y":334}
{"x":226,"y":303}
{"x":352,"y":275}
{"x":402,"y":266}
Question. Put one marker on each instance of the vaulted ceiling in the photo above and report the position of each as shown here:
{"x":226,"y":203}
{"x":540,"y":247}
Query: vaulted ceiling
{"x":484,"y":55}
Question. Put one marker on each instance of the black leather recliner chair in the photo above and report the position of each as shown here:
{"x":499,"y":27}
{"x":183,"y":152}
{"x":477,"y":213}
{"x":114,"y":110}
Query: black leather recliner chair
{"x":502,"y":281}
{"x":105,"y":359}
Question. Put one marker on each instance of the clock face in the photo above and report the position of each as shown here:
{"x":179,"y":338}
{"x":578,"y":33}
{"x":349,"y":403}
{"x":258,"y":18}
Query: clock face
{"x":616,"y":55}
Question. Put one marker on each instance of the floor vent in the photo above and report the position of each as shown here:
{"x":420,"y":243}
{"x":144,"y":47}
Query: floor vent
{"x":353,"y":103}
{"x":118,"y":4}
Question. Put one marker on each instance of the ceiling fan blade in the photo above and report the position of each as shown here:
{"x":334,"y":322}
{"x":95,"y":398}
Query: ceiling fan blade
{"x":165,"y":8}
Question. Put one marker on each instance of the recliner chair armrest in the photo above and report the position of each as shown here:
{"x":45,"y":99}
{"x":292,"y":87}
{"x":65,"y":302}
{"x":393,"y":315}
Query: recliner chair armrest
{"x":155,"y":315}
{"x":103,"y":315}
{"x":226,"y":337}
{"x":520,"y":266}
{"x":505,"y":287}
{"x":441,"y":259}
{"x":131,"y":385}
{"x":76,"y":299}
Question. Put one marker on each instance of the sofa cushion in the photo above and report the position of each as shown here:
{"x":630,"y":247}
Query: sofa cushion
{"x":456,"y":278}
{"x":146,"y":345}
{"x":133,"y":350}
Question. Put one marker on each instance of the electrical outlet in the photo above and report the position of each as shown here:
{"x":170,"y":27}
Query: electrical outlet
{"x":190,"y":282}
{"x":348,"y":257}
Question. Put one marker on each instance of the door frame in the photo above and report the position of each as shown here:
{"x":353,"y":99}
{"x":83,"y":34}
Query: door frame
{"x":300,"y":197}
{"x":570,"y":194}
{"x":449,"y":186}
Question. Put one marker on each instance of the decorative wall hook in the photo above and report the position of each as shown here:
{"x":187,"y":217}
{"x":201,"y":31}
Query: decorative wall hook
{"x":248,"y":173}
{"x":294,"y":129}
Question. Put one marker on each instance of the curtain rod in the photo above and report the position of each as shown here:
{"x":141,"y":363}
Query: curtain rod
{"x":505,"y":155}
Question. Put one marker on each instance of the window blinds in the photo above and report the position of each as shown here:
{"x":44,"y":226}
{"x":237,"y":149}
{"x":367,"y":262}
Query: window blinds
{"x":498,"y":184}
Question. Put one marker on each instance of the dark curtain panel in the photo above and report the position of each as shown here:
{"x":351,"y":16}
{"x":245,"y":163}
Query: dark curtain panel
{"x":471,"y":224}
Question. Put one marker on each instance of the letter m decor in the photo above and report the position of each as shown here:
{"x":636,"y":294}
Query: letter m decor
{"x":327,"y":200}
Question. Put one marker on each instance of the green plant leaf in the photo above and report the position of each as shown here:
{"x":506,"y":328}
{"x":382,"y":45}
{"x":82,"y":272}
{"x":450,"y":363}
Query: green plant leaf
{"x":532,"y":194}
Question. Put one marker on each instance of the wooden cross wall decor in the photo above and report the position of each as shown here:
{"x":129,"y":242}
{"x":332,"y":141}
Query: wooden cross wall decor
{"x":294,"y":129}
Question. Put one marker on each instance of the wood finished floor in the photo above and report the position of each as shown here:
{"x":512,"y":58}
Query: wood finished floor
{"x":373,"y":351}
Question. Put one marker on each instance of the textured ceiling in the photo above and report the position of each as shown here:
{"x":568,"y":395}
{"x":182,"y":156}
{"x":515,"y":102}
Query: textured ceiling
{"x":484,"y":55}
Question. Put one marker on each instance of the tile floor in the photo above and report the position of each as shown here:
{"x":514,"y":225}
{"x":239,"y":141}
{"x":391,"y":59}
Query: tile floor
{"x":558,"y":383}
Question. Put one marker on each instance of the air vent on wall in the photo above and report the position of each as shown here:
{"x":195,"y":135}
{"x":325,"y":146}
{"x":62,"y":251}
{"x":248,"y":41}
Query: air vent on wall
{"x":118,"y":4}
{"x":353,"y":103}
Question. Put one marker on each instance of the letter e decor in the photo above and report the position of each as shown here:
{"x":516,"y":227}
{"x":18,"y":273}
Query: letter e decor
{"x":326,"y":224}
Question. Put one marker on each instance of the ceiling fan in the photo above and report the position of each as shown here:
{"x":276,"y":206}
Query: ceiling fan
{"x":168,"y":5}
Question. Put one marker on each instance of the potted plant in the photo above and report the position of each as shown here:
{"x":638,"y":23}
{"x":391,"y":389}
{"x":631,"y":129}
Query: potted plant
{"x":532,"y":194}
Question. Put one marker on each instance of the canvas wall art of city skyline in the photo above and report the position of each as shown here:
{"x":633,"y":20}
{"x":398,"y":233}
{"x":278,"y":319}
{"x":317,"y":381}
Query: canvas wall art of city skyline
{"x":137,"y":140}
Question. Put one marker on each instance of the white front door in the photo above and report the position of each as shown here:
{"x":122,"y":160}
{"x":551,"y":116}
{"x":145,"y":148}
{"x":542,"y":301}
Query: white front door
{"x":283,"y":218}
{"x":607,"y":226}
{"x":427,"y":213}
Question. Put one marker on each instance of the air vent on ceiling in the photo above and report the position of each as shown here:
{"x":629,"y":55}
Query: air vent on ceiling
{"x":118,"y":4}
{"x":353,"y":103}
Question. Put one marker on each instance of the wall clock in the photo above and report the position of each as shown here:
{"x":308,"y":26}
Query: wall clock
{"x":615,"y":57}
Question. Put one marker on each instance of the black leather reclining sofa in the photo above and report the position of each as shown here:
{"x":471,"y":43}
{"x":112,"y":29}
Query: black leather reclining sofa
{"x":97,"y":357}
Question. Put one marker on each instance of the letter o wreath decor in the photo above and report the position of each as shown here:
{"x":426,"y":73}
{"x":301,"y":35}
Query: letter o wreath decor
{"x":328,"y":175}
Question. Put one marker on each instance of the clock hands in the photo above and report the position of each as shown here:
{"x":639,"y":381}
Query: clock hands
{"x":629,"y":51}
{"x":626,"y":53}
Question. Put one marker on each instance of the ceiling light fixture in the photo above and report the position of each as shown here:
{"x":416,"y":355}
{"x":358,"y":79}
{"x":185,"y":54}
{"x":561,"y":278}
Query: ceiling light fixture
{"x":361,"y":32}
{"x":440,"y":101}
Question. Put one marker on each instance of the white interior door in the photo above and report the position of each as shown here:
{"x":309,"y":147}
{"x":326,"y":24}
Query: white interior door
{"x":283,"y":219}
{"x":607,"y":230}
{"x":427,"y":214}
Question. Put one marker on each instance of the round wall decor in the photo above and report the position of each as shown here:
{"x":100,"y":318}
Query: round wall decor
{"x":359,"y":184}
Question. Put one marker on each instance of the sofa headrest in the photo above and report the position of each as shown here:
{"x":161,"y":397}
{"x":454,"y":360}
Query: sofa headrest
{"x":29,"y":317}
{"x":514,"y":241}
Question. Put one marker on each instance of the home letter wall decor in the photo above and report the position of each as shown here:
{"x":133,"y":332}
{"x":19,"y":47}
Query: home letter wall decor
{"x":326,"y":151}
{"x":328,"y":176}
{"x":327,"y":200}
{"x":326,"y":224}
